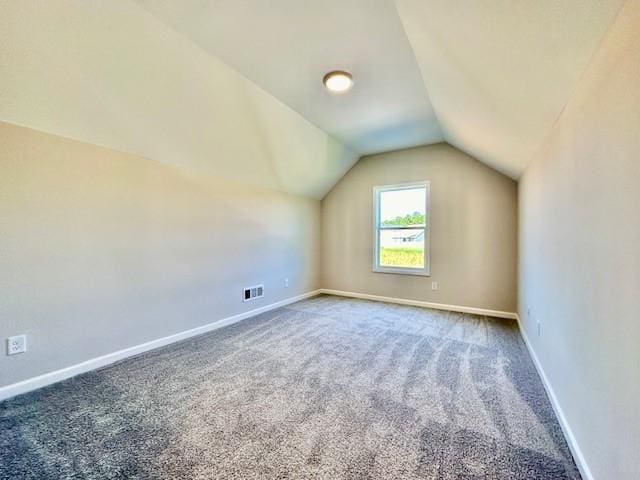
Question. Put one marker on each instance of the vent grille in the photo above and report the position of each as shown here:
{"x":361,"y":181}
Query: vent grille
{"x":251,"y":293}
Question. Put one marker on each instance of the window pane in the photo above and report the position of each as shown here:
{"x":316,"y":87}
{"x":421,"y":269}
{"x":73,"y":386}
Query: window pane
{"x":402,"y":207}
{"x":402,"y":248}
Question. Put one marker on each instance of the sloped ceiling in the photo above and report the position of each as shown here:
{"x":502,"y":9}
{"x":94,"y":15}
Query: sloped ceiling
{"x":499,"y":72}
{"x":495,"y":73}
{"x":287,"y":46}
{"x":233,"y":87}
{"x":111,"y":74}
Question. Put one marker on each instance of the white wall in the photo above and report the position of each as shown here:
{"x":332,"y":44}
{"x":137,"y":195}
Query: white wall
{"x":473,"y":230}
{"x":580,"y":259}
{"x":102,"y":250}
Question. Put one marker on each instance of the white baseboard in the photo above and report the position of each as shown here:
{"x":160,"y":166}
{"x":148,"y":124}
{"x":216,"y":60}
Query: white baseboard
{"x":94,"y":363}
{"x":420,"y":303}
{"x":581,"y":462}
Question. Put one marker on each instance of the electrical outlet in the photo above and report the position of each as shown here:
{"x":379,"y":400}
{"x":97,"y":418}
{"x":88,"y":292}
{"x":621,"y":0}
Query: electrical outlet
{"x":434,"y":285}
{"x":17,"y":344}
{"x":286,"y":283}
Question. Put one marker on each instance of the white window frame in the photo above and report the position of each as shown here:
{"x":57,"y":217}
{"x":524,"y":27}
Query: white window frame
{"x":427,"y":230}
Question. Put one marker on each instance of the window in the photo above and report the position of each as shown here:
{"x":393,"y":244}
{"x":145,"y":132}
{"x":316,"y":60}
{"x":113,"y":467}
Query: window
{"x":401,"y":220}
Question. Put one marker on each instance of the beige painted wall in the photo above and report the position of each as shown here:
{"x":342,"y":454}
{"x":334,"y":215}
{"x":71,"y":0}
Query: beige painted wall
{"x":101,"y":250}
{"x":580,"y":259}
{"x":473,"y":229}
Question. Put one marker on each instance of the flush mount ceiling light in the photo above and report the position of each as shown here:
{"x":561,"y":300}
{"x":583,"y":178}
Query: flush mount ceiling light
{"x":338,"y":81}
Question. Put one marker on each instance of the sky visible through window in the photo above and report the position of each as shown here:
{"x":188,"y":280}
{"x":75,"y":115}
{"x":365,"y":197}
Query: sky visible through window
{"x":398,"y":203}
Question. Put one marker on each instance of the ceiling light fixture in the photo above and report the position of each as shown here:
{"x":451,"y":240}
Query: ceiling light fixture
{"x":338,"y":81}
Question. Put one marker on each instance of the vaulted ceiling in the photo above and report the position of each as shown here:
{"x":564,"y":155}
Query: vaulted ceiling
{"x":499,"y":72}
{"x":490,"y":77}
{"x":233,"y":87}
{"x":287,"y":46}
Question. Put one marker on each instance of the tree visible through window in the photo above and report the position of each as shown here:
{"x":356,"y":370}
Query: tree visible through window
{"x":401,"y":228}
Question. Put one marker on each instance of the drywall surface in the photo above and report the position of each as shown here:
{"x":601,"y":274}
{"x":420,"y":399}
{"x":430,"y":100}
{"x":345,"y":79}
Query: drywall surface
{"x":387,"y":109}
{"x":102,"y":250}
{"x":580,"y":255}
{"x":112,"y":74}
{"x":499,"y":72}
{"x":473,"y":230}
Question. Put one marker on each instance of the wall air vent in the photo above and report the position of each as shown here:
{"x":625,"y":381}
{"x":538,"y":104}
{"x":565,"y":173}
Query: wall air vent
{"x":251,"y":293}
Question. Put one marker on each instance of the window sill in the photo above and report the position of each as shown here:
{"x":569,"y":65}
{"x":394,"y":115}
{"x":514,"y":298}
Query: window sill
{"x":403,"y":271}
